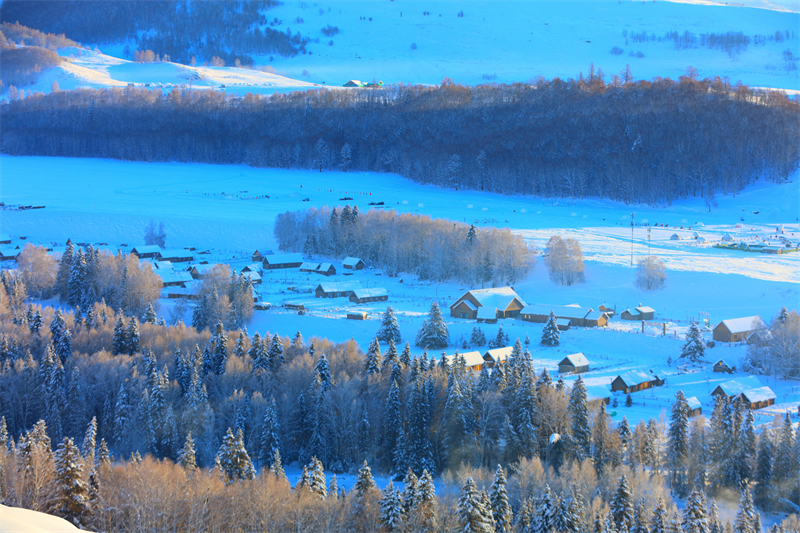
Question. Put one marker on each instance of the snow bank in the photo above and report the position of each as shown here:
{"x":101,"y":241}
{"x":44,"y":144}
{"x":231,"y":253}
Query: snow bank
{"x":17,"y":520}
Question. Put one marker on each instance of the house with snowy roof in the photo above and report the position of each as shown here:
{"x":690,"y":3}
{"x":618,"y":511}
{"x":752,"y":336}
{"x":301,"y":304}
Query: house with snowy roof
{"x":7,"y":254}
{"x":474,"y":360}
{"x":596,"y":394}
{"x":175,"y":256}
{"x":574,"y":315}
{"x":722,"y":367}
{"x":336,"y":290}
{"x":574,"y":364}
{"x":695,"y":407}
{"x":635,"y":380}
{"x":252,"y":267}
{"x":174,"y":278}
{"x":737,"y":329}
{"x":326,"y":269}
{"x":362,"y":296}
{"x":259,"y":255}
{"x":639,"y":313}
{"x":353,"y":263}
{"x":277,"y":261}
{"x":675,"y":237}
{"x":162,"y":265}
{"x":497,"y":355}
{"x":309,"y":266}
{"x":144,"y":252}
{"x":254,"y":277}
{"x":749,"y":389}
{"x":503,"y":300}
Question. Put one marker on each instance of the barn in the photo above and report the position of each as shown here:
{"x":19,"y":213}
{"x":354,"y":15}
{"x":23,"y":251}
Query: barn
{"x":145,"y":252}
{"x":277,"y":261}
{"x":695,"y":407}
{"x":362,"y":296}
{"x":175,"y":256}
{"x":737,"y":329}
{"x":337,"y":290}
{"x":574,"y":364}
{"x":326,"y":269}
{"x":497,"y":355}
{"x":754,"y":394}
{"x":634,"y":381}
{"x":353,"y":263}
{"x":504,"y":300}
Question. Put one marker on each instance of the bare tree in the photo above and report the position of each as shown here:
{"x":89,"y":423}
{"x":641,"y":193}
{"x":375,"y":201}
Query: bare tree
{"x":564,"y":260}
{"x":155,"y":234}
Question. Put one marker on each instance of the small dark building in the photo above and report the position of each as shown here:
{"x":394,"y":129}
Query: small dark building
{"x":145,"y":252}
{"x":695,"y":407}
{"x":277,"y":261}
{"x":574,"y":364}
{"x":353,"y":263}
{"x":361,"y":296}
{"x":634,"y":381}
{"x":722,"y":367}
{"x":326,"y":269}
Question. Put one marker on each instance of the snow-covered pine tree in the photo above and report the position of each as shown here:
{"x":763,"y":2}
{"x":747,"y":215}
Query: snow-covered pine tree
{"x":472,"y":516}
{"x":550,"y":333}
{"x":333,"y":487}
{"x":678,"y":442}
{"x":119,"y":343}
{"x":746,"y":516}
{"x":389,"y":329}
{"x":410,"y":489}
{"x":89,"y":442}
{"x":391,"y":505}
{"x":72,"y":491}
{"x":763,"y":492}
{"x":405,"y":355}
{"x":132,"y":336}
{"x":277,"y":467}
{"x":694,"y":350}
{"x":477,"y":338}
{"x":219,"y":356}
{"x":258,"y":353}
{"x":149,"y":316}
{"x":234,"y":459}
{"x":501,"y":508}
{"x":434,"y":333}
{"x":187,"y":454}
{"x":622,"y":504}
{"x":270,"y":435}
{"x":659,"y":522}
{"x":694,"y":515}
{"x":316,"y":481}
{"x":323,"y":369}
{"x":372,"y":358}
{"x":275,"y":353}
{"x":365,"y":483}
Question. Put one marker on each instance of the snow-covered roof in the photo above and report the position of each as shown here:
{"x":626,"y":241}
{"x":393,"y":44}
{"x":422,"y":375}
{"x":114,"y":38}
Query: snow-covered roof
{"x":635,"y":377}
{"x":591,"y":315}
{"x":162,"y":265}
{"x":732,"y":387}
{"x":252,"y":267}
{"x":645,"y":309}
{"x":744,"y":324}
{"x":675,"y":237}
{"x":694,"y":403}
{"x":281,"y":259}
{"x":727,"y":237}
{"x":469,"y":304}
{"x":183,"y":254}
{"x":309,"y":265}
{"x":576,"y":359}
{"x":9,"y":252}
{"x":370,"y":293}
{"x":499,"y":354}
{"x":350,"y":261}
{"x":254,"y":276}
{"x":597,"y":392}
{"x":472,"y":358}
{"x":202,"y":269}
{"x":563,"y":311}
{"x":487,"y":313}
{"x":340,"y":286}
{"x":324,"y":267}
{"x":563,"y":321}
{"x":721,"y":362}
{"x":760,"y":394}
{"x":147,"y":249}
{"x":499,"y":298}
{"x":174,"y":276}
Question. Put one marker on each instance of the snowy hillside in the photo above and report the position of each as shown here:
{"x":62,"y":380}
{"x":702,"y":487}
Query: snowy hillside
{"x":18,"y":520}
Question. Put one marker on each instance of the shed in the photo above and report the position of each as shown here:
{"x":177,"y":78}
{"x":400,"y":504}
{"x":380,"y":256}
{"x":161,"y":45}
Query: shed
{"x":361,"y":296}
{"x":722,"y":367}
{"x":8,"y":254}
{"x":695,"y":407}
{"x":497,"y":355}
{"x":634,"y":381}
{"x":143,"y":252}
{"x":326,"y":269}
{"x":175,"y":256}
{"x":504,"y":300}
{"x":737,"y":329}
{"x":675,"y":237}
{"x":646,"y":313}
{"x":259,"y":255}
{"x":574,"y":363}
{"x":336,"y":290}
{"x":594,"y":319}
{"x":563,"y":324}
{"x":253,"y":267}
{"x":353,"y":263}
{"x":276,"y":261}
{"x":597,"y":394}
{"x":309,"y":266}
{"x":357,"y":315}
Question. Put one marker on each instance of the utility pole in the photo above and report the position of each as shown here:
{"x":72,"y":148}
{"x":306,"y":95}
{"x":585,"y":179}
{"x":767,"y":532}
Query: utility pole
{"x":632,"y":216}
{"x":648,"y":240}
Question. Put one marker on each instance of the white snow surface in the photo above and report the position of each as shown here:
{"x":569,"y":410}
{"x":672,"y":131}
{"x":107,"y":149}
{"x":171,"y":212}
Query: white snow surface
{"x":18,"y":520}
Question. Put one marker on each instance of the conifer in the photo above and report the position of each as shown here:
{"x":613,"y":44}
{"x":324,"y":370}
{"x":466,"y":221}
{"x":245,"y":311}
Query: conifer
{"x":550,"y":334}
{"x":694,"y":349}
{"x":501,"y":508}
{"x":391,"y":505}
{"x":389,"y":329}
{"x":72,"y":491}
{"x":364,"y":482}
{"x":473,"y":517}
{"x":187,"y":454}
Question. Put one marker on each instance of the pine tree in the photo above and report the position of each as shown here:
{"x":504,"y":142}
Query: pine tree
{"x":119,"y":344}
{"x":550,"y":333}
{"x":622,"y":504}
{"x":89,"y":442}
{"x":258,"y":353}
{"x":694,"y":515}
{"x":410,"y":490}
{"x":220,"y":351}
{"x":275,"y":353}
{"x":270,"y":435}
{"x":316,"y":481}
{"x":389,"y":329}
{"x":132,"y":336}
{"x":64,"y":270}
{"x":405,"y":355}
{"x":72,"y":491}
{"x":694,"y":349}
{"x":333,"y":487}
{"x":458,"y":424}
{"x":391,"y":504}
{"x":323,"y":369}
{"x":501,"y":508}
{"x":149,"y":315}
{"x":764,"y":473}
{"x":659,"y":522}
{"x":433,"y":333}
{"x":678,"y":441}
{"x":187,"y":454}
{"x":472,"y":515}
{"x":372,"y":358}
{"x":364,"y":482}
{"x":746,"y":517}
{"x":578,"y":410}
{"x":233,"y":458}
{"x":477,"y":338}
{"x":277,"y":467}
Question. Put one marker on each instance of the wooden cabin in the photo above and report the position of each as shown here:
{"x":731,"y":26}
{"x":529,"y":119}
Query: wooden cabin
{"x":337,"y":290}
{"x":278,"y":261}
{"x":639,"y":313}
{"x":634,"y":381}
{"x":695,"y":407}
{"x":594,"y":319}
{"x":607,"y":310}
{"x":326,"y":269}
{"x":254,"y":277}
{"x":504,"y":300}
{"x":145,"y":252}
{"x":574,"y":364}
{"x":749,"y":389}
{"x":259,"y":255}
{"x":497,"y":355}
{"x":362,"y":296}
{"x":253,"y":267}
{"x":174,"y":278}
{"x":175,"y":256}
{"x":357,"y":315}
{"x":574,"y":314}
{"x":722,"y":367}
{"x":737,"y":329}
{"x":309,"y":266}
{"x":353,"y":263}
{"x":563,"y":324}
{"x":474,"y":360}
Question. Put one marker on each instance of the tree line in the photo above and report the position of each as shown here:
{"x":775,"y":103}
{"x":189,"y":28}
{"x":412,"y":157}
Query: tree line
{"x":647,"y":141}
{"x":434,"y":249}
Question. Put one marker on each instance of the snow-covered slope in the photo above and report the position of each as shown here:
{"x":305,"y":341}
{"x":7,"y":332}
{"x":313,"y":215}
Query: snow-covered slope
{"x":17,"y":520}
{"x":508,"y":41}
{"x":91,"y":69}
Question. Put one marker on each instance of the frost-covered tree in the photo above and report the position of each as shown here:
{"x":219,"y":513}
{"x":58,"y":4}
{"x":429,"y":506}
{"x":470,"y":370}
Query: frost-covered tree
{"x":392,"y":509}
{"x":433,"y":333}
{"x":622,"y":504}
{"x":364,"y":482}
{"x":372,"y":358}
{"x":72,"y":490}
{"x":650,"y":273}
{"x":763,"y":492}
{"x":578,"y":409}
{"x":316,"y":479}
{"x":233,"y":458}
{"x":564,"y":260}
{"x":270,"y":435}
{"x":389,"y":329}
{"x":150,"y":316}
{"x":501,"y":508}
{"x":694,"y":350}
{"x":477,"y":338}
{"x":472,"y":515}
{"x":678,"y":442}
{"x":694,"y":515}
{"x":550,"y":333}
{"x":187,"y":454}
{"x":746,"y":517}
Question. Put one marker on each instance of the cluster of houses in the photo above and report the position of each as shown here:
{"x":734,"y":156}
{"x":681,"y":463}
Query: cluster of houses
{"x":363,"y":85}
{"x":776,"y":243}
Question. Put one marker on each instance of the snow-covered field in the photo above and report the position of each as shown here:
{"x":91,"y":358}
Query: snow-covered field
{"x":18,"y":520}
{"x":217,"y":207}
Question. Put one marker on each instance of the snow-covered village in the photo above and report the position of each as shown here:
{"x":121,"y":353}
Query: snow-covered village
{"x":401,"y":265}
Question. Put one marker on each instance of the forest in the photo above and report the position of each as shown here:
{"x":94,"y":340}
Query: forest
{"x":634,"y":141}
{"x":436,"y":250}
{"x":179,"y":29}
{"x":170,"y":414}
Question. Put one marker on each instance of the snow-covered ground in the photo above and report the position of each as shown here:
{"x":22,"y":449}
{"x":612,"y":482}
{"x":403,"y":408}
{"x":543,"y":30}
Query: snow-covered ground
{"x":18,"y":520}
